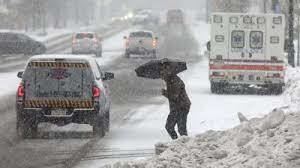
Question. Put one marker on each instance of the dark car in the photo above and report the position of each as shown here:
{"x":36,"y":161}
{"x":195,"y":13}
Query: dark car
{"x":17,"y":43}
{"x":63,"y":89}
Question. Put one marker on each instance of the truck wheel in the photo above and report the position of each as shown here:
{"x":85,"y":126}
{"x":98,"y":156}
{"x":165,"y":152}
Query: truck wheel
{"x":213,"y":87}
{"x":107,"y":121}
{"x":217,"y":88}
{"x":99,"y":126}
{"x":27,"y":126}
{"x":154,"y":54}
{"x":276,"y":89}
{"x":127,"y":55}
{"x":99,"y":54}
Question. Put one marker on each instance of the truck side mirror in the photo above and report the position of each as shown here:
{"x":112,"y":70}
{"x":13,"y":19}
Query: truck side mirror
{"x":108,"y":76}
{"x":208,"y":46}
{"x":20,"y":74}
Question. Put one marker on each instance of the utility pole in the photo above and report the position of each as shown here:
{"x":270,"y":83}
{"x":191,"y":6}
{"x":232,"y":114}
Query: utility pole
{"x":291,"y":52}
{"x":265,"y":6}
{"x":207,"y":10}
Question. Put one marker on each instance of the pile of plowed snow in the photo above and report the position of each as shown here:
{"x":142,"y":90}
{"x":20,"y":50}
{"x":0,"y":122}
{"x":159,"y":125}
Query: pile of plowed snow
{"x":269,"y":142}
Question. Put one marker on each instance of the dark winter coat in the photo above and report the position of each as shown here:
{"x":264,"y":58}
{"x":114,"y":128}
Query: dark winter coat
{"x":176,"y":93}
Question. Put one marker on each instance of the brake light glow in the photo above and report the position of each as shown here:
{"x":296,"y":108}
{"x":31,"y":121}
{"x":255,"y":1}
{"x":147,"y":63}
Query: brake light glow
{"x":74,"y":40}
{"x":154,"y":43}
{"x":21,"y":91}
{"x":96,"y":92}
{"x":127,"y":43}
{"x":95,"y":40}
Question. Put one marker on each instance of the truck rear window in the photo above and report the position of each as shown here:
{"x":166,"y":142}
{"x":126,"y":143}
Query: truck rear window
{"x":84,"y":35}
{"x":140,"y":34}
{"x":58,"y":80}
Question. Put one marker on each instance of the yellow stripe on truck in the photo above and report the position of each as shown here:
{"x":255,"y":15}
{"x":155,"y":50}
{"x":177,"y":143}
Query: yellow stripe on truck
{"x":58,"y":65}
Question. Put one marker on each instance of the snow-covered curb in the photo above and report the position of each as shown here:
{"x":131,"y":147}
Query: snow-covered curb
{"x":272,"y":141}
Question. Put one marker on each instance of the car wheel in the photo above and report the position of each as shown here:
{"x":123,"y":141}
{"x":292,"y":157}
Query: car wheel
{"x":27,"y":126}
{"x":99,"y":126}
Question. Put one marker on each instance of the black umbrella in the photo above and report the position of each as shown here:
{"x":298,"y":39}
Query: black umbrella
{"x":153,"y":68}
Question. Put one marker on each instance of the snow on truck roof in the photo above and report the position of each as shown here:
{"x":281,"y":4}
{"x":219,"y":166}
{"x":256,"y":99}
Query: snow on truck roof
{"x":52,"y":57}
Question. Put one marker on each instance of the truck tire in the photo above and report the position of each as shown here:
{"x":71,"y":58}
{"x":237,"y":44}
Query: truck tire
{"x":127,"y":55}
{"x":275,"y":89}
{"x":99,"y":126}
{"x":154,"y":54}
{"x":107,"y":121}
{"x":27,"y":126}
{"x":217,"y":88}
{"x":99,"y":54}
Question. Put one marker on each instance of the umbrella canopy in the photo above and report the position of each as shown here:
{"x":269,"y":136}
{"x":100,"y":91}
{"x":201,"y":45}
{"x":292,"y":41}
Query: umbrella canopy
{"x":153,"y":68}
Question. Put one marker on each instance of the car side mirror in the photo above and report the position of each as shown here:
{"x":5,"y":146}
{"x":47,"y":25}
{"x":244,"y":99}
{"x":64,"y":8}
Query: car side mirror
{"x":108,"y":76}
{"x":208,"y":46}
{"x":124,"y":37}
{"x":20,"y":74}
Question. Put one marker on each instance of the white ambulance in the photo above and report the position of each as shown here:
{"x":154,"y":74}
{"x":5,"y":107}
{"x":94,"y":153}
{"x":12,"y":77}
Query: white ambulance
{"x":247,"y":50}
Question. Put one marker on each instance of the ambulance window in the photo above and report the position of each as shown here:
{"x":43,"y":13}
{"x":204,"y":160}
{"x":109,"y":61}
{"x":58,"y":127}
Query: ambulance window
{"x":274,"y":39}
{"x":237,"y":39}
{"x":256,"y":39}
{"x":219,"y":38}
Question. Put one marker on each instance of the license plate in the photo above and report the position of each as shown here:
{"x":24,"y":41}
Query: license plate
{"x":58,"y":112}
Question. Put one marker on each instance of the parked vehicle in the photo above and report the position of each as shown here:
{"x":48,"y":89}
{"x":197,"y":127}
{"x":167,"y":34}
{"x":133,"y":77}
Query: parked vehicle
{"x":87,"y":43}
{"x":62,"y":89}
{"x":18,"y":43}
{"x":247,"y":49}
{"x":141,"y":43}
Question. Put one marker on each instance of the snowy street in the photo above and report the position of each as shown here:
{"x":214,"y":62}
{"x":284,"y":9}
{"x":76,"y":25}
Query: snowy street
{"x":138,"y":113}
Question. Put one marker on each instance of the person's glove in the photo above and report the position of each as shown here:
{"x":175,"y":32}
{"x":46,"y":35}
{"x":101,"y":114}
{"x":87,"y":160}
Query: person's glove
{"x":164,"y":92}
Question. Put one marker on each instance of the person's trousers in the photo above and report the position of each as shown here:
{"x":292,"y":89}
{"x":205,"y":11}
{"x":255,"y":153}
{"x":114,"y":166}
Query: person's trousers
{"x":179,"y":118}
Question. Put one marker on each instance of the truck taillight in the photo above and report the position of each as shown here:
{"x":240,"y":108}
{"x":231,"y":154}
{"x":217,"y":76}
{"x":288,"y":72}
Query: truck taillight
{"x":127,"y":43}
{"x":74,"y":40}
{"x":154,"y":43}
{"x":96,"y":92}
{"x":95,"y":40}
{"x":21,"y":91}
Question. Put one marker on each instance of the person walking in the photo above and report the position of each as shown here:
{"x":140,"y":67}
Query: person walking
{"x":179,"y":103}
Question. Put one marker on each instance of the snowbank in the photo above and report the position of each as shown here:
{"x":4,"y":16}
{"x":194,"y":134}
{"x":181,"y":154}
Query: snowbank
{"x":272,"y":141}
{"x":292,"y":92}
